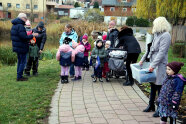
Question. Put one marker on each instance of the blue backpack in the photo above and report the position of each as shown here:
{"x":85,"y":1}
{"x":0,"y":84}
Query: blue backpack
{"x":79,"y":59}
{"x":65,"y":58}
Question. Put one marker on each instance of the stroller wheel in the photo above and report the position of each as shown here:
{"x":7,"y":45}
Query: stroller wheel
{"x":116,"y":76}
{"x":107,"y":77}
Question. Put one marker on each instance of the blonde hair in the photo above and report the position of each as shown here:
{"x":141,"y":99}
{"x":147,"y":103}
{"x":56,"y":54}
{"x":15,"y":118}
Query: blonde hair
{"x":161,"y":24}
{"x":108,"y":42}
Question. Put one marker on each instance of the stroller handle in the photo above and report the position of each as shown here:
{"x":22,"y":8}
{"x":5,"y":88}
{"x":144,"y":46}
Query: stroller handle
{"x":116,"y":49}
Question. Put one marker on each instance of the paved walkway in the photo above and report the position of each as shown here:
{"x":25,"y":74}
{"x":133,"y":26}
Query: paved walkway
{"x":85,"y":102}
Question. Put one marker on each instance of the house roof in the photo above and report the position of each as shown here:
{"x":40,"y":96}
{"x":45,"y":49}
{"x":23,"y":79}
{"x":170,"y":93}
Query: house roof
{"x":99,"y":1}
{"x":64,"y":6}
{"x":116,"y":3}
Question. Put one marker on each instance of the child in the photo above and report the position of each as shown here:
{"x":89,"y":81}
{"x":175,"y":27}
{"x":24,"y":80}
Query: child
{"x":87,"y":49}
{"x":64,"y":55}
{"x":98,"y":55}
{"x":28,"y":27}
{"x":33,"y":58}
{"x":78,"y":54}
{"x":170,"y":94}
{"x":106,"y":68}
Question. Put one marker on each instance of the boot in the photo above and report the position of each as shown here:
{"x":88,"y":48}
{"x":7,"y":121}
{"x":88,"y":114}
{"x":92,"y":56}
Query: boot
{"x":62,"y":80}
{"x":100,"y":80}
{"x":75,"y":78}
{"x":66,"y":79}
{"x":79,"y":77}
{"x":156,"y":114}
{"x":149,"y":108}
{"x":162,"y":122}
{"x":94,"y":79}
{"x":83,"y":68}
{"x":128,"y":83}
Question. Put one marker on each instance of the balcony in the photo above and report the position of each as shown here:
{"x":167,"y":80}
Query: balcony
{"x":1,"y":8}
{"x":51,"y":2}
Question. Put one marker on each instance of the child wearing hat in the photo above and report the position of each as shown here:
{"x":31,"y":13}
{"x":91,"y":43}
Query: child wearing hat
{"x":33,"y":58}
{"x":171,"y":92}
{"x":87,"y":46}
{"x":65,"y":58}
{"x":98,"y":55}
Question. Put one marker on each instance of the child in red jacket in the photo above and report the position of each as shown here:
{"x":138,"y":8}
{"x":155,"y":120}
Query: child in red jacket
{"x":87,"y":46}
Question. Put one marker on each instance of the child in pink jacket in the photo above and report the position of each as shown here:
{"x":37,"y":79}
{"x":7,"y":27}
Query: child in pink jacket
{"x":64,"y":55}
{"x":87,"y":46}
{"x":78,"y":58}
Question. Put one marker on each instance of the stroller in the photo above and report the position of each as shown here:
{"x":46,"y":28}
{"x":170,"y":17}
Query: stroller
{"x":117,"y":63}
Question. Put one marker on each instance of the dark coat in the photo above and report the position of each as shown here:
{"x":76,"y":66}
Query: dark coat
{"x":19,"y":37}
{"x":41,"y":38}
{"x":98,"y":52}
{"x":128,"y":41}
{"x":112,"y":36}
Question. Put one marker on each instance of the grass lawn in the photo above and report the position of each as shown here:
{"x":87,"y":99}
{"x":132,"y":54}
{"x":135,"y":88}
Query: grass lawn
{"x":27,"y":102}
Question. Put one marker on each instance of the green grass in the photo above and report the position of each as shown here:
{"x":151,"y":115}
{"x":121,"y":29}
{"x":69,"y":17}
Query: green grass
{"x":27,"y":102}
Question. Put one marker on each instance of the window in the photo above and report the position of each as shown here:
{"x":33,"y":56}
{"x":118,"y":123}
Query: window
{"x":1,"y":4}
{"x":28,"y":15}
{"x":35,"y":15}
{"x":8,"y":5}
{"x":35,"y":7}
{"x":124,"y":9}
{"x":17,"y":5}
{"x":112,"y":9}
{"x":27,"y":6}
{"x":123,"y":0}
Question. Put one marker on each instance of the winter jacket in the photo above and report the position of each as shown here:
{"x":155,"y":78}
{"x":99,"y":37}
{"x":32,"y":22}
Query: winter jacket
{"x":170,"y":94}
{"x":112,"y":36}
{"x":98,"y":52}
{"x":19,"y":37}
{"x":33,"y":51}
{"x":87,"y":48}
{"x":73,"y":35}
{"x":78,"y":55}
{"x":63,"y":48}
{"x":41,"y":38}
{"x":159,"y":55}
{"x":128,"y":41}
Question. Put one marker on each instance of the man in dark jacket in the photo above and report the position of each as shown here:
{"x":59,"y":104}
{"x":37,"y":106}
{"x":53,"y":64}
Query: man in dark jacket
{"x":20,"y":43}
{"x":112,"y":33}
{"x":131,"y":45}
{"x":40,"y":40}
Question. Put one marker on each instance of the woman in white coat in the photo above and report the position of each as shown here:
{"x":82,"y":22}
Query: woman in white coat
{"x":158,"y":56}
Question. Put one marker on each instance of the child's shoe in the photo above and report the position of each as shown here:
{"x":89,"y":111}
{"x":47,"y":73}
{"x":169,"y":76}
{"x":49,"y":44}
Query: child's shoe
{"x":66,"y":79}
{"x":79,"y":77}
{"x":75,"y":79}
{"x":62,"y":80}
{"x":27,"y":73}
{"x":100,"y":80}
{"x":94,"y":79}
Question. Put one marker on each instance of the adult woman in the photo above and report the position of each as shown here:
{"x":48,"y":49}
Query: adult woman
{"x":131,"y":45}
{"x":70,"y":33}
{"x":158,"y":56}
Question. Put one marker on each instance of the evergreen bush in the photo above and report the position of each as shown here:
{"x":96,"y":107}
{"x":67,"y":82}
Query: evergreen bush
{"x":179,"y":49}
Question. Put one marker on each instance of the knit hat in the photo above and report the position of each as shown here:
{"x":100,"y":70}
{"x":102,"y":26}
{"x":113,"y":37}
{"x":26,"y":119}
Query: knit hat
{"x":112,"y":23}
{"x":28,"y":23}
{"x":85,"y":37}
{"x":67,"y":40}
{"x":22,"y":15}
{"x":41,"y":24}
{"x":104,"y":37}
{"x":108,"y":42}
{"x":175,"y":66}
{"x":74,"y":44}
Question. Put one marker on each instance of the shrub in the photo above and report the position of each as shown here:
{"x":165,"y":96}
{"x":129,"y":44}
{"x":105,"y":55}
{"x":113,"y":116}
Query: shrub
{"x":94,"y":15}
{"x":179,"y":49}
{"x":48,"y":54}
{"x":65,"y":19}
{"x":8,"y":57}
{"x":142,"y":22}
{"x":130,"y":21}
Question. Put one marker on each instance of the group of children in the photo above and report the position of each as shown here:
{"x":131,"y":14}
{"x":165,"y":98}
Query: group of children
{"x":78,"y":55}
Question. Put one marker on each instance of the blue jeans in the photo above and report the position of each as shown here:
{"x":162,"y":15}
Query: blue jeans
{"x":21,"y":64}
{"x":72,"y":69}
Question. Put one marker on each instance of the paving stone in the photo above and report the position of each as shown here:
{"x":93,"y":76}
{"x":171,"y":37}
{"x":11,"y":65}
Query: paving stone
{"x":130,"y":122}
{"x":93,"y":110}
{"x":103,"y":104}
{"x":127,"y":101}
{"x":98,"y":120}
{"x":118,"y":107}
{"x":110,"y":116}
{"x":114,"y":121}
{"x":82,"y":120}
{"x":136,"y":112}
{"x":65,"y":113}
{"x":105,"y":108}
{"x":141,"y":104}
{"x":95,"y":115}
{"x":121,"y":112}
{"x":125,"y":117}
{"x":80,"y":115}
{"x":66,"y":119}
{"x":108,"y":112}
{"x":142,"y":118}
{"x":81,"y":111}
{"x":91,"y":105}
{"x":115,"y":102}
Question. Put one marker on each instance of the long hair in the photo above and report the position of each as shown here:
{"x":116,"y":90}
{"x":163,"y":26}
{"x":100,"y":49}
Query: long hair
{"x":161,"y":24}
